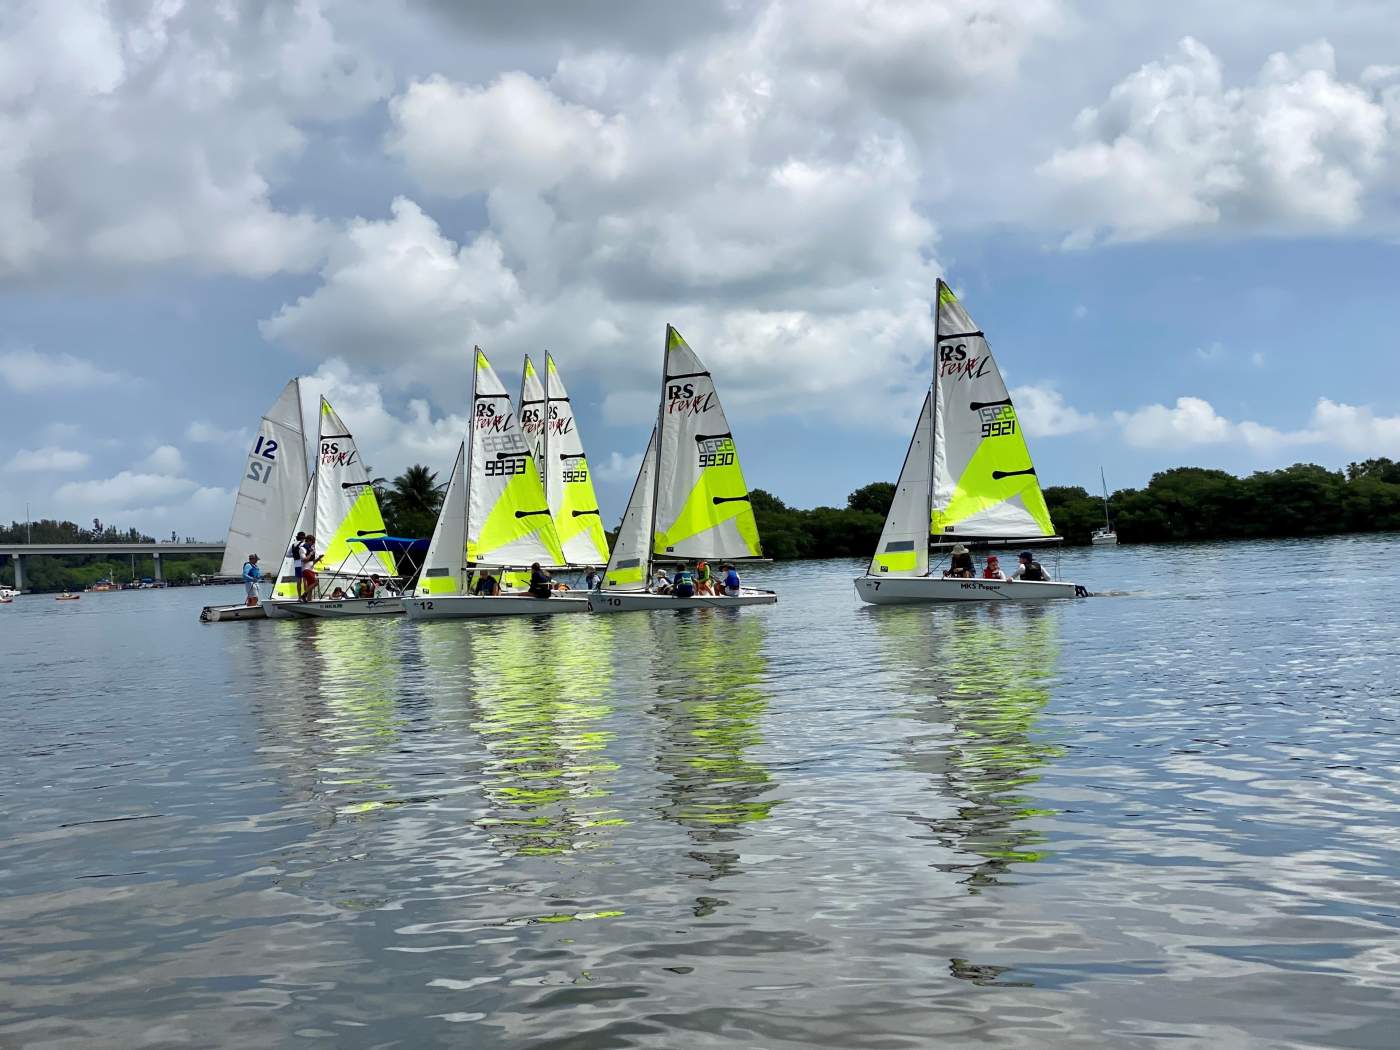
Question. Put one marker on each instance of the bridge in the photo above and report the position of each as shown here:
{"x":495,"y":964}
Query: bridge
{"x":19,"y":551}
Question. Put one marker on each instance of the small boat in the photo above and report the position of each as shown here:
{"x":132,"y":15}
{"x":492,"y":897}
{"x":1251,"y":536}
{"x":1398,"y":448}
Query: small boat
{"x":690,"y":500}
{"x":967,"y":478}
{"x":275,"y":477}
{"x":8,"y":592}
{"x":66,"y":596}
{"x":341,"y":510}
{"x":495,"y":515}
{"x":1105,"y":535}
{"x":6,"y":601}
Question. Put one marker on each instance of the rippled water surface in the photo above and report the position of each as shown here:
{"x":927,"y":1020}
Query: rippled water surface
{"x":1164,"y":816}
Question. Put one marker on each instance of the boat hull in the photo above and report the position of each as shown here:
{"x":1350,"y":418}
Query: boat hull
{"x":341,"y":608}
{"x":228,"y":613}
{"x":466,"y":606}
{"x":1101,"y":539}
{"x":915,"y":590}
{"x":280,"y":610}
{"x":640,"y":601}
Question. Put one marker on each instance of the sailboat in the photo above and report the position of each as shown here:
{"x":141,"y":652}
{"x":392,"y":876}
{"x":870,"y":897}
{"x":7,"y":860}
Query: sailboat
{"x":1105,"y":535}
{"x":547,"y":420}
{"x":967,"y":476}
{"x":269,"y":494}
{"x":494,"y":516}
{"x":340,"y":509}
{"x":689,"y":501}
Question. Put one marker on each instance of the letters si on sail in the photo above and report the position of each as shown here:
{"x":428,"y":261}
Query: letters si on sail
{"x":903,"y":549}
{"x":272,"y":488}
{"x":568,"y":481}
{"x":984,"y":484}
{"x":444,"y":567}
{"x":508,"y":518}
{"x":702,"y":503}
{"x":627,"y":568}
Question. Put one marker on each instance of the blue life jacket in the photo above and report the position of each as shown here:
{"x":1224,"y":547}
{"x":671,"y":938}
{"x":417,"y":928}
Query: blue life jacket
{"x":683,"y":579}
{"x":731,"y":579}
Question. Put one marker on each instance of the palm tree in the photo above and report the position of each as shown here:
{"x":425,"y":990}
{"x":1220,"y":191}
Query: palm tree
{"x":411,"y":503}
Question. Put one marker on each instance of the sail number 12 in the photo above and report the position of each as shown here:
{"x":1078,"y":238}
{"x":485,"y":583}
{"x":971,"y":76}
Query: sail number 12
{"x":264,"y":459}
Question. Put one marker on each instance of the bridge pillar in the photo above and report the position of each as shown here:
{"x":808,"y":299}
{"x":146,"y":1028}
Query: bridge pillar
{"x":18,"y":561}
{"x":155,"y":557}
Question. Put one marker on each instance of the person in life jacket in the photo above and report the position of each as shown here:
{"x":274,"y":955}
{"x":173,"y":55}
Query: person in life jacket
{"x":683,"y":583}
{"x":993,"y":569}
{"x":731,"y":580}
{"x":1030,"y":569}
{"x":961,"y":564}
{"x":704,"y":581}
{"x":540,"y":582}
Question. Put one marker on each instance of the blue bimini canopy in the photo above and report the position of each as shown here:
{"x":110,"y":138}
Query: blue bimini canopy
{"x":415,"y":549}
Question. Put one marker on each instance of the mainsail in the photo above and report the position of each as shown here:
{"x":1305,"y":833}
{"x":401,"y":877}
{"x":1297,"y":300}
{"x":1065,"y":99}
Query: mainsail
{"x":339,"y":503}
{"x":983,"y":482}
{"x":272,"y":487}
{"x":444,"y":567}
{"x":702,"y":503}
{"x":532,"y":411}
{"x":627,"y":568}
{"x":508,"y":518}
{"x":903,"y":549}
{"x":568,"y":483}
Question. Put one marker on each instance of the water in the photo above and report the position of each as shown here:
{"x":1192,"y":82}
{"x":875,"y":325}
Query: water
{"x":1163,"y":817}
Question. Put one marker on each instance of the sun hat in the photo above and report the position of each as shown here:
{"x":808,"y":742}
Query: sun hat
{"x":958,"y":548}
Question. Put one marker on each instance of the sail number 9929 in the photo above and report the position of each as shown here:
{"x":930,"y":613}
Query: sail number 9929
{"x":716,"y":452}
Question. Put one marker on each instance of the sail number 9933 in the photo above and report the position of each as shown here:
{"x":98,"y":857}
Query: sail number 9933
{"x":716,"y":452}
{"x":500,"y":468}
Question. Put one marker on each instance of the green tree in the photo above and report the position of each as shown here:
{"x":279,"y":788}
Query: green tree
{"x":875,"y":498}
{"x":411,"y":502}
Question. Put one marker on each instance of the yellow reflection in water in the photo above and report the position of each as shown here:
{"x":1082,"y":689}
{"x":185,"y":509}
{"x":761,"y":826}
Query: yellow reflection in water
{"x":985,"y":673}
{"x":709,"y":668}
{"x":539,"y":689}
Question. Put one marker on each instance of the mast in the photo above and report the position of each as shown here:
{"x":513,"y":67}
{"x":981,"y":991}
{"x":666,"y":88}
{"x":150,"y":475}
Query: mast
{"x":544,"y":446}
{"x":463,"y":576}
{"x":656,"y":473}
{"x":1104,"y":482}
{"x":933,"y":412}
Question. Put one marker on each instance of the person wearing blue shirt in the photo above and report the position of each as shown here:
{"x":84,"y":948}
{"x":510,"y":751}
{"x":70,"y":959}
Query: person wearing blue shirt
{"x":731,"y":581}
{"x":683,"y":583}
{"x":251,"y":576}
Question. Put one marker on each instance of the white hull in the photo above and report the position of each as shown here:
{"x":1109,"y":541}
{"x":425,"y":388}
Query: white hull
{"x":466,"y":606}
{"x":910,"y":590}
{"x":281,"y":609}
{"x":1102,"y":538}
{"x":225,"y":613}
{"x":640,"y":601}
{"x":337,"y":608}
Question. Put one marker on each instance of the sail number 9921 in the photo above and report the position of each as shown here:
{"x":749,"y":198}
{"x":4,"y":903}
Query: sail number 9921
{"x":998,"y":422}
{"x":716,"y":452}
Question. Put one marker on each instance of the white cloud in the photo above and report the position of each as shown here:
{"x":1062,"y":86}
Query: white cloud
{"x":1193,"y":421}
{"x":1174,"y":149}
{"x":1357,"y":429}
{"x":202,"y":432}
{"x":28,"y":371}
{"x":164,"y":459}
{"x":127,"y":489}
{"x":49,"y":459}
{"x":616,"y":468}
{"x":1044,"y":413}
{"x":152,"y":133}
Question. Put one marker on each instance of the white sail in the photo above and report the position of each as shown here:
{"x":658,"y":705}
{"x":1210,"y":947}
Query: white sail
{"x":444,"y":567}
{"x":903,"y":549}
{"x":984,"y":482}
{"x":568,"y":482}
{"x":702,"y":502}
{"x":346,"y":505}
{"x":508,"y":518}
{"x":287,"y":586}
{"x":532,"y":412}
{"x":627,"y":568}
{"x":273,"y":485}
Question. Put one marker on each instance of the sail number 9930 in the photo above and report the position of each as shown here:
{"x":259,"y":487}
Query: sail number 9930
{"x":716,"y":452}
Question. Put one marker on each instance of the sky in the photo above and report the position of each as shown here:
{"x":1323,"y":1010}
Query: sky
{"x":1178,"y":224}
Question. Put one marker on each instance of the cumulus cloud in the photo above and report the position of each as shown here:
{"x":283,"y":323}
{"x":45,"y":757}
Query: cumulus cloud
{"x":202,"y":432}
{"x":1194,"y":422}
{"x":152,"y":133}
{"x":1044,"y":412}
{"x":125,"y":490}
{"x":1175,"y":149}
{"x":49,"y":459}
{"x":28,"y":371}
{"x":164,"y":459}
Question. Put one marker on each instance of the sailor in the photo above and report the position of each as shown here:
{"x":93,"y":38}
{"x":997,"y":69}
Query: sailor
{"x":295,"y":554}
{"x":704,"y":580}
{"x":961,"y":564}
{"x":539,"y":582}
{"x":486,"y":586}
{"x":1030,"y":569}
{"x":593,"y":581}
{"x":731,"y":580}
{"x":683,"y":583}
{"x":251,"y":575}
{"x":993,"y":569}
{"x":660,"y":582}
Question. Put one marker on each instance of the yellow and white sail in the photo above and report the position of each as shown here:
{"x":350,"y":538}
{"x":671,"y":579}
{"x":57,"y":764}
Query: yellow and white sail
{"x":903,"y":548}
{"x":508,"y":517}
{"x":445,"y":565}
{"x":568,"y":482}
{"x":272,"y":488}
{"x":984,"y":484}
{"x":631,"y":554}
{"x":702,"y":502}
